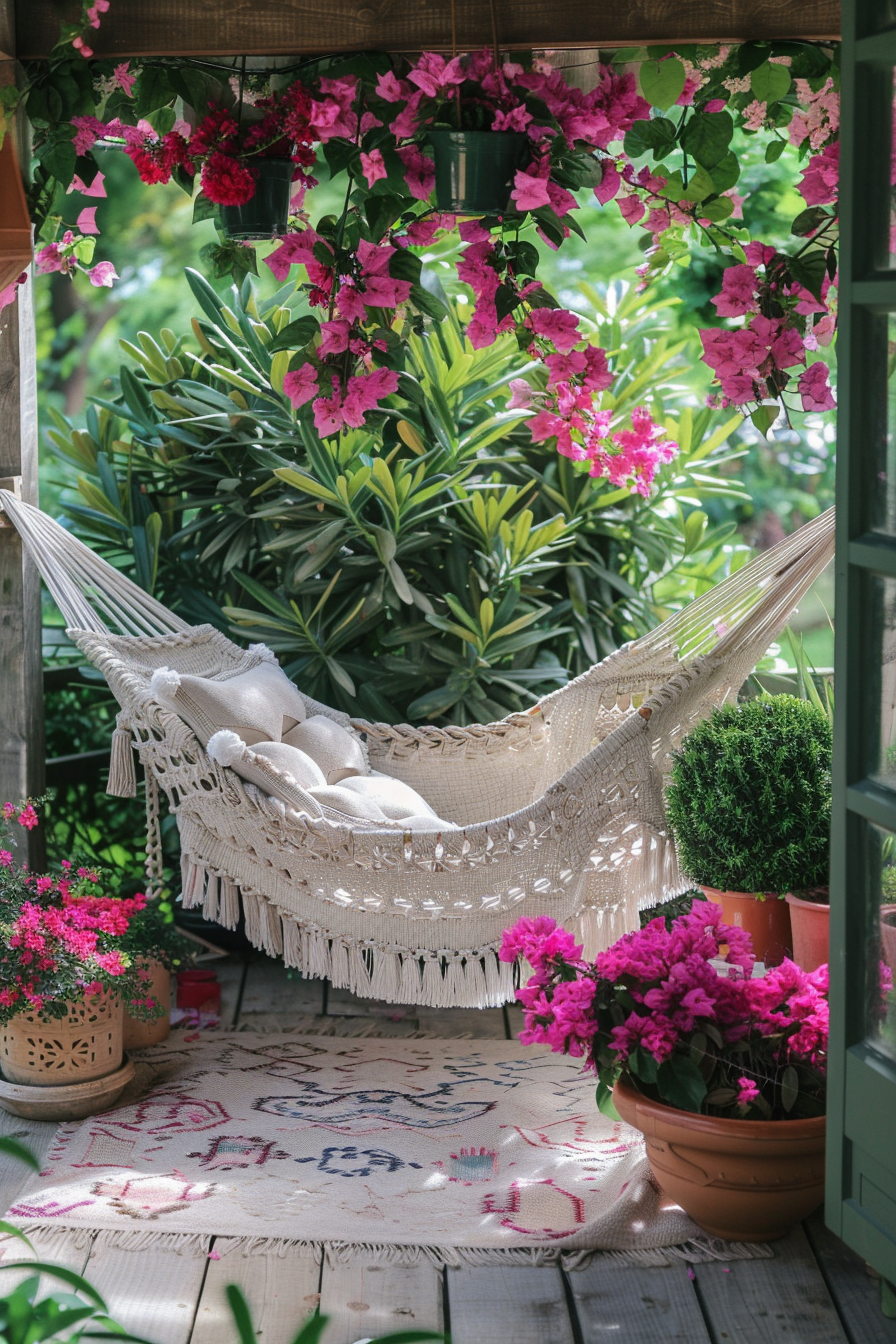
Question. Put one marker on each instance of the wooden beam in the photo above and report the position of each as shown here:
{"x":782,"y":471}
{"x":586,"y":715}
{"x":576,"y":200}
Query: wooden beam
{"x":296,"y":27}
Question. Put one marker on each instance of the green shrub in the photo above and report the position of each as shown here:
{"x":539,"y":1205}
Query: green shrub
{"x":432,"y":566}
{"x":750,"y":797}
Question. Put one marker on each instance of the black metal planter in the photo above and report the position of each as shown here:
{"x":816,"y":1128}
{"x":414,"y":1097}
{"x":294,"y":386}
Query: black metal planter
{"x":475,"y":169}
{"x":267,"y":212}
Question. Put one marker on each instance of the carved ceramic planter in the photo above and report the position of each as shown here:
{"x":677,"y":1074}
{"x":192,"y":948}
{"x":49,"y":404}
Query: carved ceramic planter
{"x":46,"y":1052}
{"x":744,"y":1180}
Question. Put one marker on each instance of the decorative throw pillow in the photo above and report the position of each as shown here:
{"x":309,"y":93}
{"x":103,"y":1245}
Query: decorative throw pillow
{"x":260,"y":705}
{"x":306,"y":772}
{"x":283,"y":772}
{"x":336,"y":751}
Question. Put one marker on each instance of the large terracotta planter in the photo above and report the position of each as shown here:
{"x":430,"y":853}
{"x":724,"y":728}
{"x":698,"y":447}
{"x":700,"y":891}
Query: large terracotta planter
{"x":137,"y":1034}
{"x":744,"y":1180}
{"x":45,"y":1052}
{"x":766,"y":921}
{"x":811,"y":925}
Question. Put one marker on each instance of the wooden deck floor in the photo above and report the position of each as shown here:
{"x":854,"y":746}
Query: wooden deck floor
{"x":815,"y":1291}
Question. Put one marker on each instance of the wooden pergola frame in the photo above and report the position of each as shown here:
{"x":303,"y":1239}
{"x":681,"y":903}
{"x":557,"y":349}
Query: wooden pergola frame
{"x":28,"y":31}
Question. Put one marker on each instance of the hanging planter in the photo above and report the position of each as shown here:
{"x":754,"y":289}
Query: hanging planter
{"x":744,"y":1180}
{"x":475,"y":169}
{"x":267,"y":213}
{"x":15,"y":224}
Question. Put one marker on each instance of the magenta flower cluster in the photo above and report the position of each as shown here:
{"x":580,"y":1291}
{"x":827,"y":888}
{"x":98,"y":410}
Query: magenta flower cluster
{"x":661,"y":998}
{"x":784,"y":321}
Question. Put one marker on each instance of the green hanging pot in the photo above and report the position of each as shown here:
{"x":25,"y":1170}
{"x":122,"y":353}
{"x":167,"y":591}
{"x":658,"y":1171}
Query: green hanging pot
{"x":267,"y":212}
{"x":475,"y":169}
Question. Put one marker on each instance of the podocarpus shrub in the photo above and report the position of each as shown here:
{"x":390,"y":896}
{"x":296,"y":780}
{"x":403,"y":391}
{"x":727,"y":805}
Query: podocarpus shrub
{"x":750,"y":797}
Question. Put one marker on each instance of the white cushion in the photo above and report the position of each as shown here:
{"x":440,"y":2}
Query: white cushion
{"x":259,"y":705}
{"x":336,"y":751}
{"x":396,"y":799}
{"x":351,"y":804}
{"x":306,"y":772}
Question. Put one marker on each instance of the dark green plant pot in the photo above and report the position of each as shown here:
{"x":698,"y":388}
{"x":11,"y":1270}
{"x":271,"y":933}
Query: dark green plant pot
{"x":268,"y":211}
{"x":475,"y":169}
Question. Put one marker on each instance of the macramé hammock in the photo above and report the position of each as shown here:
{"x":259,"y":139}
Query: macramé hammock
{"x":558,"y":811}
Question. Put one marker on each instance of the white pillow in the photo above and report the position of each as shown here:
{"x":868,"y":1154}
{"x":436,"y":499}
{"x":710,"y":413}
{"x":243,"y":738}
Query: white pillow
{"x":396,"y":799}
{"x":336,"y":751}
{"x":306,"y":772}
{"x":351,"y":804}
{"x":258,"y":705}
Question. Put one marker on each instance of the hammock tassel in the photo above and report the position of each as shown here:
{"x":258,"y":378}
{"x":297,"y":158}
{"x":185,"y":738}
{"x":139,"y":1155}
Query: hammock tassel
{"x":210,"y":903}
{"x":409,"y":980}
{"x":228,"y":903}
{"x":384,"y":978}
{"x":122,"y":774}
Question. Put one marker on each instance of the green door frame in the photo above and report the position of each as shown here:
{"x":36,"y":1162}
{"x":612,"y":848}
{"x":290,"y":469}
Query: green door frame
{"x":861,"y":1159}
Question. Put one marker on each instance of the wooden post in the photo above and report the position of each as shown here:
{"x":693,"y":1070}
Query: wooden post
{"x":21,"y":669}
{"x":21,"y":666}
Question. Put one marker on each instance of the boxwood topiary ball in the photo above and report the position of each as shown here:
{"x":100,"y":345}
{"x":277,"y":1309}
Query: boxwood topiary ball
{"x":750,"y":797}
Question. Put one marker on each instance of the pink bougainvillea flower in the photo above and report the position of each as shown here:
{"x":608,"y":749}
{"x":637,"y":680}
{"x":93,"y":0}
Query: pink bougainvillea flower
{"x":124,"y":79}
{"x":632,"y":208}
{"x":610,"y":182}
{"x":522,"y":395}
{"x":300,"y":385}
{"x":529,"y":192}
{"x":102,"y":274}
{"x":87,"y":131}
{"x":373,"y":167}
{"x":86,"y":221}
{"x":334,"y":337}
{"x":81,"y":46}
{"x":28,"y":817}
{"x":95,"y":188}
{"x":820,"y":177}
{"x":815,"y":389}
{"x":419,"y":172}
{"x":432,"y":73}
{"x":557,"y":325}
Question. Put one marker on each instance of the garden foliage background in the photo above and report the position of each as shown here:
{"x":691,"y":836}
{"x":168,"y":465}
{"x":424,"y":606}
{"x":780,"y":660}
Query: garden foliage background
{"x":454,"y":604}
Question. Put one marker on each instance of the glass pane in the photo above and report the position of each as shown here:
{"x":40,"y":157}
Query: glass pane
{"x":881,"y":502}
{"x":882,"y":626}
{"x":881,"y":942}
{"x":892,"y":236}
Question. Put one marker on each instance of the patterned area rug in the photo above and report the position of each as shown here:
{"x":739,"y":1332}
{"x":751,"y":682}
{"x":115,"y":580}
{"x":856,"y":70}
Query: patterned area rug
{"x":462,"y":1151}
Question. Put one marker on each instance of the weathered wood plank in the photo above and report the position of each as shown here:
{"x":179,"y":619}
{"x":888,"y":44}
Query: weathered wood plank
{"x":646,"y":1306}
{"x":766,"y":1301}
{"x":15,"y":1176}
{"x":151,"y":1292}
{"x":289,"y":27}
{"x":272,"y":988}
{"x":21,"y":684}
{"x":516,"y":1305}
{"x":855,"y":1292}
{"x":479,"y":1023}
{"x":281,"y":1291}
{"x":363,"y":1299}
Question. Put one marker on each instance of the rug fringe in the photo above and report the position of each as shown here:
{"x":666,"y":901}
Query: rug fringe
{"x":698,"y":1250}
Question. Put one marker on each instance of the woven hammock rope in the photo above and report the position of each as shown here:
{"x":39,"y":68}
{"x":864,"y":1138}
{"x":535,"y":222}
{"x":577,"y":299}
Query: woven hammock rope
{"x":557,"y":811}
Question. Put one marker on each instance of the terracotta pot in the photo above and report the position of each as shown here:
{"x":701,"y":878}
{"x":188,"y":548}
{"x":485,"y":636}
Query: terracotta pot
{"x":766,"y":921}
{"x":15,"y":223}
{"x":139,"y":1034}
{"x":888,"y":936}
{"x":744,"y":1180}
{"x":44,"y":1052}
{"x":66,"y":1101}
{"x":811,"y":924}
